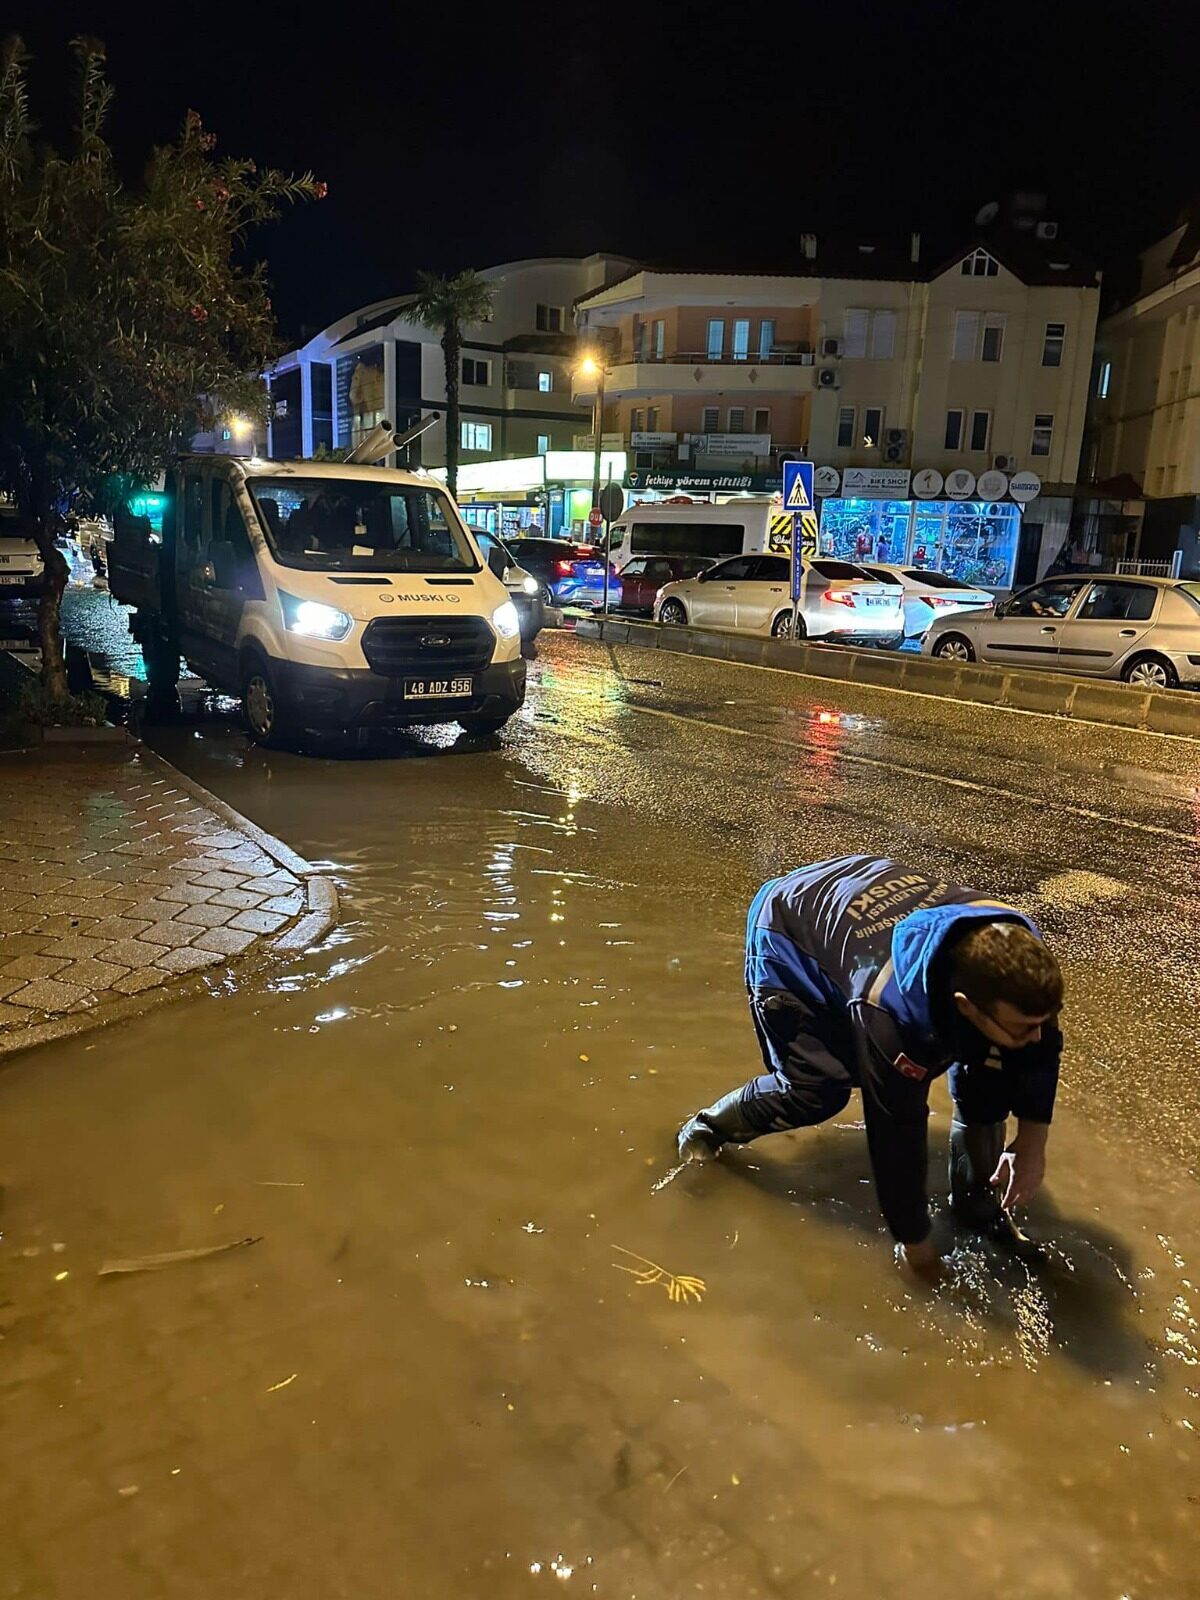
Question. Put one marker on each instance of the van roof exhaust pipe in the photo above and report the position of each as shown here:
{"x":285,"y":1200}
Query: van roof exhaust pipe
{"x":382,"y":440}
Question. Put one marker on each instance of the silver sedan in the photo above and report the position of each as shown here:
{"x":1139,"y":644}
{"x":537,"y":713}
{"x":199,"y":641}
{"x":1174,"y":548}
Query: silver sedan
{"x":1144,"y":630}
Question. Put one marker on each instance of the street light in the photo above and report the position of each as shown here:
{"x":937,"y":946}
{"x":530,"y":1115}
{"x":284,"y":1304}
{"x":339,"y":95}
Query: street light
{"x":242,"y":428}
{"x":590,"y":367}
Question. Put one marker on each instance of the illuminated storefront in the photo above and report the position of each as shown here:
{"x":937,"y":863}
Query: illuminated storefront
{"x":975,"y":540}
{"x":551,"y":493}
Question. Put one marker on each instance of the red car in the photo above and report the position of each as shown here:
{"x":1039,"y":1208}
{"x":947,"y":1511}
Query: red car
{"x":644,"y":576}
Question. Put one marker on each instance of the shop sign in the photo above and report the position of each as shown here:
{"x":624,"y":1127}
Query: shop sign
{"x":653,"y":441}
{"x":704,"y":482}
{"x":826,"y":480}
{"x":992,"y":485}
{"x":731,"y":444}
{"x":884,"y":483}
{"x":1023,"y":486}
{"x":960,"y":484}
{"x":927,"y":484}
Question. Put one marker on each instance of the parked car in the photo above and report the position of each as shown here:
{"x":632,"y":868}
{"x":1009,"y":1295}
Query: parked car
{"x":644,"y":576}
{"x":927,"y":594}
{"x":1144,"y":630}
{"x":523,"y":588}
{"x":753,"y":594}
{"x":21,"y":563}
{"x":569,"y":574}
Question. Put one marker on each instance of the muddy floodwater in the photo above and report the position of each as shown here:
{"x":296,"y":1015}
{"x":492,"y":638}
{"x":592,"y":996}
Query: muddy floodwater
{"x":466,"y":1357}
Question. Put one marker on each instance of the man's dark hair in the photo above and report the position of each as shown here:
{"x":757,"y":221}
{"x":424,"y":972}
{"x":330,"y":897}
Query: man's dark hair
{"x":1004,"y":961}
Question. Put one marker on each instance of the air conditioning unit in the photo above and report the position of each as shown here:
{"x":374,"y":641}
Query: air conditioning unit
{"x":895,"y":436}
{"x":831,"y":347}
{"x":828,"y":378}
{"x":1047,"y":230}
{"x":1004,"y":463}
{"x":643,"y":459}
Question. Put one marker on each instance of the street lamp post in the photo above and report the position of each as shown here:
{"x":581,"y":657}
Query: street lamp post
{"x":591,"y":367}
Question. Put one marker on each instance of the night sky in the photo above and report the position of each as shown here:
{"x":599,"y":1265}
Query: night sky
{"x":707,"y":134}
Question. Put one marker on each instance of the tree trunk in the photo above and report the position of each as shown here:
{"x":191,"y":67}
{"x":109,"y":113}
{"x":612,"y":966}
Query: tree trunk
{"x":54,"y":581}
{"x":451,"y":348}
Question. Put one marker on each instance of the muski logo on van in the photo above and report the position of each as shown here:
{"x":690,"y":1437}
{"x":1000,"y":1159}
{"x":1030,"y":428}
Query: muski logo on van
{"x":862,"y":905}
{"x":433,"y":599}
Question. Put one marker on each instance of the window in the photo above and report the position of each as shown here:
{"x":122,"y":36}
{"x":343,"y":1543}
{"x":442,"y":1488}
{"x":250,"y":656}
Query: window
{"x":966,"y":334}
{"x":475,"y":435}
{"x":652,"y":419}
{"x":1118,"y":602}
{"x":1046,"y":599}
{"x":1052,"y":344}
{"x":981,"y":429}
{"x":1043,"y":434}
{"x":766,"y":338}
{"x":771,"y":569}
{"x":737,"y":419}
{"x":845,"y":429}
{"x":543,"y":444}
{"x":476,"y":372}
{"x":545,"y":382}
{"x":872,"y":431}
{"x":883,"y":335}
{"x":637,"y":420}
{"x":660,"y":340}
{"x":741,"y":339}
{"x":710,"y":419}
{"x":192,"y":506}
{"x":549,"y":319}
{"x":1103,"y":379}
{"x":706,"y":540}
{"x":733,"y":571}
{"x":954,"y":430}
{"x":716,"y":339}
{"x":993,"y":336}
{"x":762,"y":420}
{"x":836,"y":569}
{"x":980,"y":265}
{"x":854,"y":333}
{"x":640,"y":332}
{"x":349,"y":524}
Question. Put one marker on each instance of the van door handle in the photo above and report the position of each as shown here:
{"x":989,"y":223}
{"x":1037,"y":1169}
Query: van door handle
{"x":1127,"y":633}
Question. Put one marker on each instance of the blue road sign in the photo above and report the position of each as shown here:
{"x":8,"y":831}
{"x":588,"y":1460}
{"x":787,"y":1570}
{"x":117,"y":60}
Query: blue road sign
{"x":798,"y":499}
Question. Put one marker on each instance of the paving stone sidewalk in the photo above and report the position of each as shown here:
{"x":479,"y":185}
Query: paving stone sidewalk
{"x":118,"y":879}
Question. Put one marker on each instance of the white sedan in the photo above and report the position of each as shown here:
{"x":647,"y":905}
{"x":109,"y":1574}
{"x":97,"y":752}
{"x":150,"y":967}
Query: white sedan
{"x":929,"y":595}
{"x":753,"y":594}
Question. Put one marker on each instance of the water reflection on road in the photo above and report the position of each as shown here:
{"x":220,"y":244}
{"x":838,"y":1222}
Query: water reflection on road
{"x":436,"y":1375}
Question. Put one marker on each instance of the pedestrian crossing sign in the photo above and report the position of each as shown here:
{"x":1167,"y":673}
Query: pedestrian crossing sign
{"x":797,"y":486}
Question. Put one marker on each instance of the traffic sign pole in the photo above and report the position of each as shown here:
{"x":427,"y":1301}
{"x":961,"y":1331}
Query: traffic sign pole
{"x":799,"y":499}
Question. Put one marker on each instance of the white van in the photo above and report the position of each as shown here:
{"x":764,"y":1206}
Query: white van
{"x":740,"y":527}
{"x":324,"y":594}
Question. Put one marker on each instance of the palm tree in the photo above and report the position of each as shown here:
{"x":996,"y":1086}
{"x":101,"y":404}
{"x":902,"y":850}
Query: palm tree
{"x":447,"y":305}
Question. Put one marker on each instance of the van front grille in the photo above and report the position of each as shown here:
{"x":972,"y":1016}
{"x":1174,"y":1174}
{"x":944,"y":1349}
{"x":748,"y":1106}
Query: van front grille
{"x":428,"y":645}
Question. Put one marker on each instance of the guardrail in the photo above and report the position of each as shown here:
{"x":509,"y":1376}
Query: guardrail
{"x":1174,"y":711}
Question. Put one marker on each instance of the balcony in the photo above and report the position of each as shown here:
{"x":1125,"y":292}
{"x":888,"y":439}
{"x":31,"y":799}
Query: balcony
{"x":783,"y":371}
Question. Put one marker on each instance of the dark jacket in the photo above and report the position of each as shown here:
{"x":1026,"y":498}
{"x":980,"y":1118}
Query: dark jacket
{"x":869,"y":939}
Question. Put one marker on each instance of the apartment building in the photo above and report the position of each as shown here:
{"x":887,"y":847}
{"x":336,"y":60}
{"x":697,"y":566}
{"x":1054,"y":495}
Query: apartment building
{"x":515,"y":380}
{"x":1143,"y":446}
{"x":922,"y":389}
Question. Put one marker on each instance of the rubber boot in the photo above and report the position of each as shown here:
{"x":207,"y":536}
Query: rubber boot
{"x":975,"y":1148}
{"x":703,"y":1136}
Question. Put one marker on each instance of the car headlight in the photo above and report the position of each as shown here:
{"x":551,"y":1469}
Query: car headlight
{"x":506,"y":621}
{"x":312,"y":619}
{"x":530,"y":585}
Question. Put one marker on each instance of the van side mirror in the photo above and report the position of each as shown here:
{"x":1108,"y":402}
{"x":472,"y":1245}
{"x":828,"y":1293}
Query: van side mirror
{"x":497,"y":562}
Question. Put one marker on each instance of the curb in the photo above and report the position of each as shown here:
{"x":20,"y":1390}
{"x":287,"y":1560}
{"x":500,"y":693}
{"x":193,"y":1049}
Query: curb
{"x":1174,"y":712}
{"x":309,"y":929}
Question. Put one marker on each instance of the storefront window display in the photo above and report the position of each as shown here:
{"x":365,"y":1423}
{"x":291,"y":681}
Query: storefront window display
{"x":975,"y":540}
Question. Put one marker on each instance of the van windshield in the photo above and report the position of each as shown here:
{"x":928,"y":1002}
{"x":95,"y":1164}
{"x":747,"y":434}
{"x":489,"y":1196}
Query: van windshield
{"x":360,"y":526}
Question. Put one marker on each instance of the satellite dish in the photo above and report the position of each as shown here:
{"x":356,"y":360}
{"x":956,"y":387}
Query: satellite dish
{"x":987,"y":214}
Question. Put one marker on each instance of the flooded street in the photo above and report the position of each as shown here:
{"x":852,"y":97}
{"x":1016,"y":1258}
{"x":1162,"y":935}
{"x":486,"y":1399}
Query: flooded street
{"x":452,"y":1365}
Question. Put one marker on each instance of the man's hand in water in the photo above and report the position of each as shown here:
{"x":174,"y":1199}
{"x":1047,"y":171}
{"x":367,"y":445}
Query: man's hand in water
{"x":1021,"y":1168}
{"x":920,"y":1261}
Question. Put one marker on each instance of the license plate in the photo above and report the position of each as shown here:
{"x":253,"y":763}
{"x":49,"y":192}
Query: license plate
{"x":438,"y":688}
{"x":878,"y":600}
{"x":15,"y":577}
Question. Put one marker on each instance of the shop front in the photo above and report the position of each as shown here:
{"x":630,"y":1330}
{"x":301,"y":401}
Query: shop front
{"x":550,"y":494}
{"x":974,"y":540}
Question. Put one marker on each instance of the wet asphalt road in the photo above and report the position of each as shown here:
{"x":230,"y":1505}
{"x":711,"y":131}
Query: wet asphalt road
{"x":435,"y":1375}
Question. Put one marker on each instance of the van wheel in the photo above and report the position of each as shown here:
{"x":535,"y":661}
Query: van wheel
{"x":954,"y":648}
{"x":1151,"y":672}
{"x":261,"y":713}
{"x":483,"y":727}
{"x":673,"y":614}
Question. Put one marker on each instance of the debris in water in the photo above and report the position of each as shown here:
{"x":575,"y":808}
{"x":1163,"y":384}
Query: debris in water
{"x":277,"y":1183}
{"x":667,"y":1178}
{"x":531,"y":1227}
{"x":283,"y":1383}
{"x":128,"y":1489}
{"x":169,"y":1258}
{"x":680,"y":1289}
{"x":676,"y":1478}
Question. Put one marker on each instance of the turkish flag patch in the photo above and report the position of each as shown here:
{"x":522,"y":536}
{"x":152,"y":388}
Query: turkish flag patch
{"x":909,"y":1067}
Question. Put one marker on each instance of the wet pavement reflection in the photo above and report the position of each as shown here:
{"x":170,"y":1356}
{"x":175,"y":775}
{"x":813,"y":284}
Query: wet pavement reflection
{"x":481,"y":1347}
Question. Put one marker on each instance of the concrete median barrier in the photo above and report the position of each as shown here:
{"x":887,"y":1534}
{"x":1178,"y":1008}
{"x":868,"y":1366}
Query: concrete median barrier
{"x":1051,"y":693}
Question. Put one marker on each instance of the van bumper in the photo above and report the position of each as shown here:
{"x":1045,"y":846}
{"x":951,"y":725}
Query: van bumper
{"x":347,"y":697}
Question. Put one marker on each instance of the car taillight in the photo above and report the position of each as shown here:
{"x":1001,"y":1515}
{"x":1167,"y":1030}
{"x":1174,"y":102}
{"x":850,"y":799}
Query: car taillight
{"x":838,"y":597}
{"x":939,"y":600}
{"x":564,"y":568}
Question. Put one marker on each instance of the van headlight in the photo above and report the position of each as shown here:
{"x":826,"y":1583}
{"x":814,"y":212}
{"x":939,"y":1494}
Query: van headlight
{"x":506,"y":621}
{"x":312,"y":619}
{"x":529,"y":584}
